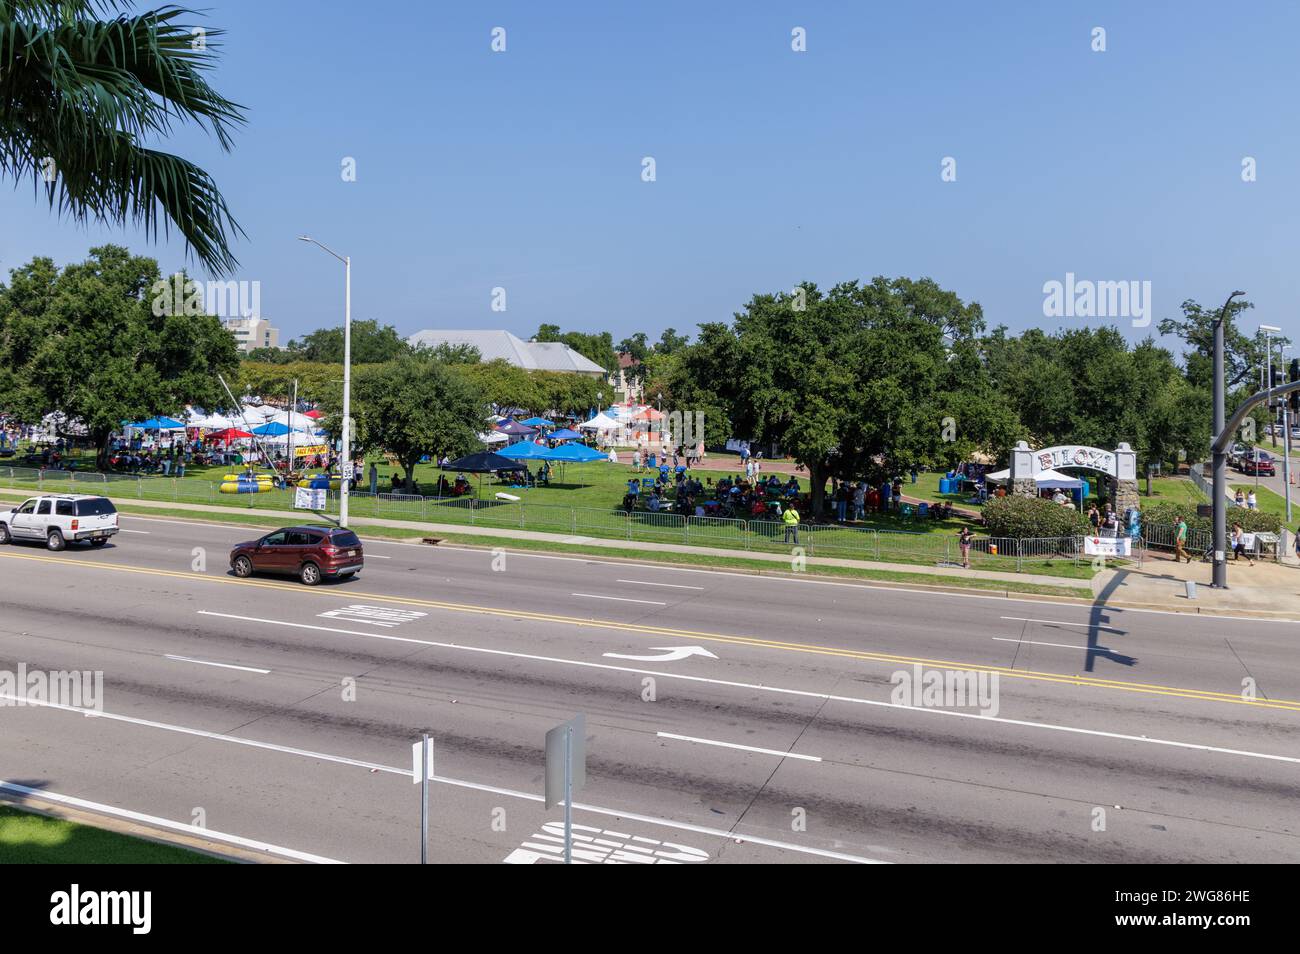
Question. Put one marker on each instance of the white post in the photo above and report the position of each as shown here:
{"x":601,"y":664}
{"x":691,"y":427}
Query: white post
{"x":568,"y":794}
{"x":346,"y":450}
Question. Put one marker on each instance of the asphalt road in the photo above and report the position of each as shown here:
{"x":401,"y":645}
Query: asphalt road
{"x":730,"y":718}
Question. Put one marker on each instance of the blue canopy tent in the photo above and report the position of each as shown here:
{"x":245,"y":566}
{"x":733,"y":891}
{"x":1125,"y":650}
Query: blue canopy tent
{"x":272,"y":429}
{"x":538,"y":422}
{"x":156,"y":424}
{"x":565,"y":434}
{"x":525,"y":450}
{"x":574,"y":454}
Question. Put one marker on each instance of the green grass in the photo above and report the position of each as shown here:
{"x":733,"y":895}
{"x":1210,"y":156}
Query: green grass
{"x":255,"y":519}
{"x":1172,"y":490}
{"x":28,"y":838}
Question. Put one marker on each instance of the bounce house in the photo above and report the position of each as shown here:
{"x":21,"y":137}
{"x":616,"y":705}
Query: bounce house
{"x":320,"y":482}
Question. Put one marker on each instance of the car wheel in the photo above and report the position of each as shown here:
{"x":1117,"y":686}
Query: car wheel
{"x":242,"y":566}
{"x":309,"y":574}
{"x":54,"y":540}
{"x":99,"y":542}
{"x":4,"y":534}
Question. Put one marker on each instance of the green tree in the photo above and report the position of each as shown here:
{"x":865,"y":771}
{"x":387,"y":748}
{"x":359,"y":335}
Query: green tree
{"x":371,"y":344}
{"x":80,"y":96}
{"x":412,"y":407}
{"x":85,"y":342}
{"x":598,"y":347}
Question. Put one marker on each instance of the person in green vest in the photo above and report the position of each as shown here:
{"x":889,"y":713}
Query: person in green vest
{"x":791,"y":520}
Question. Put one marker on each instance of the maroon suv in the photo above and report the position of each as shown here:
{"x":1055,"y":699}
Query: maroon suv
{"x":309,"y":553}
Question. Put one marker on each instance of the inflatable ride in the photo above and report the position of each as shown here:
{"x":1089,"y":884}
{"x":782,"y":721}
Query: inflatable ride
{"x":246,"y":484}
{"x":320,"y":482}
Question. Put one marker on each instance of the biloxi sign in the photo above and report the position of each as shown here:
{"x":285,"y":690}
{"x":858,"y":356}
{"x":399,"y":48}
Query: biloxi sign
{"x":1072,"y":455}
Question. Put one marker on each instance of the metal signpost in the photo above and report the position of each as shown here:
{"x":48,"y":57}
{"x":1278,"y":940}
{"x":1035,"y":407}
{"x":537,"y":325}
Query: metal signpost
{"x":421,"y":772}
{"x":566,"y":771}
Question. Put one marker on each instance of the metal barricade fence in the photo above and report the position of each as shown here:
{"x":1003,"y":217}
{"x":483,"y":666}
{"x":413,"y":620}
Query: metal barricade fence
{"x":592,"y":520}
{"x":656,"y":525}
{"x":716,"y":531}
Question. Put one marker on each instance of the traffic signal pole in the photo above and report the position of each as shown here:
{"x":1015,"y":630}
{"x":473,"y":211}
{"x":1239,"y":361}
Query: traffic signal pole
{"x":1222,"y":441}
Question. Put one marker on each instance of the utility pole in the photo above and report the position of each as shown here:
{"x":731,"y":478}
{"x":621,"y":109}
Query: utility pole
{"x":1220,"y":458}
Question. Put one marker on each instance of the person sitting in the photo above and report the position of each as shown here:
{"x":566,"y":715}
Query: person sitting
{"x":629,"y":502}
{"x":655,"y":503}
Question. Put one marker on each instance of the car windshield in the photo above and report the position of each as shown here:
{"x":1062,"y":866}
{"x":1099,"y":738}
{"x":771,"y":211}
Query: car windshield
{"x":95,"y":507}
{"x":345,"y":538}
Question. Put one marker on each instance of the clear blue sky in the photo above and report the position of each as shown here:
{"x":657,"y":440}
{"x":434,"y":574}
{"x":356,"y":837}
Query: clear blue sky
{"x":522,"y":169}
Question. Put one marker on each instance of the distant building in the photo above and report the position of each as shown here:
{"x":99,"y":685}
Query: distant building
{"x":252,"y":333}
{"x":627,"y":384}
{"x":530,"y":355}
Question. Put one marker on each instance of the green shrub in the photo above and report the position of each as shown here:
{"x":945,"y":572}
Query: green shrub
{"x":1252,"y":521}
{"x":1021,"y":517}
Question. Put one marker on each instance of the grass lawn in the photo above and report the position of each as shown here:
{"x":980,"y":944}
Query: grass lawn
{"x":1172,"y":490}
{"x":27,"y":838}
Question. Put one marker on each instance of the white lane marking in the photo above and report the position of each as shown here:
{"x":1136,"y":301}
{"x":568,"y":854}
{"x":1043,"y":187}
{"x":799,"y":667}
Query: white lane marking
{"x":677,"y":586}
{"x":671,"y":654}
{"x":1061,"y":622}
{"x":777,"y":689}
{"x":157,"y":822}
{"x":124,"y":530}
{"x":593,"y":560}
{"x":601,"y":846}
{"x":459,"y":783}
{"x":376,"y":556}
{"x":620,"y":599}
{"x":743,"y":748}
{"x":204,"y":662}
{"x":1030,"y":642}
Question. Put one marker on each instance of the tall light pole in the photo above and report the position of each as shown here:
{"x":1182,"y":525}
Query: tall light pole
{"x":1269,"y":330}
{"x":1220,"y":457}
{"x":345,"y":449}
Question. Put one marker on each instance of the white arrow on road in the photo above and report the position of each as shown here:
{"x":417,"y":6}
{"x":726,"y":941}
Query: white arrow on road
{"x":671,"y":654}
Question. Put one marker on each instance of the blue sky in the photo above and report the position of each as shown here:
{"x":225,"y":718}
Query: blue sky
{"x":522,"y":169}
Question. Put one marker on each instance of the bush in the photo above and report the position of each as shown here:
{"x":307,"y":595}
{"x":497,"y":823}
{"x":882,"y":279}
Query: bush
{"x":1022,"y":517}
{"x":1252,"y":521}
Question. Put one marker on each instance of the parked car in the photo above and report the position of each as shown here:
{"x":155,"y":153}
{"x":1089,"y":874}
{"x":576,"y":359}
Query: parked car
{"x":1258,"y":462}
{"x":1235,"y":454}
{"x":311,"y":553}
{"x":60,"y":519}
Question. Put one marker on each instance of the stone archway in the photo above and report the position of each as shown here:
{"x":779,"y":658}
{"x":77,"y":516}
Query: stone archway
{"x":1120,"y":465}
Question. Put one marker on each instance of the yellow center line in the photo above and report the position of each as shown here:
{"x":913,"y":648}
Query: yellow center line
{"x":1094,"y":682}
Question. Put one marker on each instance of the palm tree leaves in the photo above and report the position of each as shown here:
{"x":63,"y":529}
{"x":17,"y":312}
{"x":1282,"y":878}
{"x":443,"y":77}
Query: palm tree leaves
{"x":80,"y":96}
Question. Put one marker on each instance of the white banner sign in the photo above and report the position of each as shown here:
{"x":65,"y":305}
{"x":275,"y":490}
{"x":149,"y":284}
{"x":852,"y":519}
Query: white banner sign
{"x":1107,"y":546}
{"x":304,"y":498}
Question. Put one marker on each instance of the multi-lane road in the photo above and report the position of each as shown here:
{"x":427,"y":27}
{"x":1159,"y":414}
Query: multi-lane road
{"x":730,"y":718}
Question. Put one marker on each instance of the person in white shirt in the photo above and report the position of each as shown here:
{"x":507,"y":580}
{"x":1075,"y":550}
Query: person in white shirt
{"x":1251,"y":502}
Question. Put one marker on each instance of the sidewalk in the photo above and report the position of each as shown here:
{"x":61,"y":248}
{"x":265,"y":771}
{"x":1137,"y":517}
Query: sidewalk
{"x":1266,"y":590}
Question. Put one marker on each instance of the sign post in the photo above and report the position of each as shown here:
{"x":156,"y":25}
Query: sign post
{"x":421,"y":772}
{"x":566,"y":771}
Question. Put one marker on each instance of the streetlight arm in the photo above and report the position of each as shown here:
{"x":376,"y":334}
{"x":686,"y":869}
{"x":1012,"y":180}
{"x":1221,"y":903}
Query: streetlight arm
{"x":322,"y":246}
{"x":1223,"y":440}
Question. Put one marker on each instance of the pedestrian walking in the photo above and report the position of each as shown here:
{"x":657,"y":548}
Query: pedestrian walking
{"x":1180,"y":540}
{"x":791,"y":520}
{"x":1239,"y":544}
{"x":963,"y":540}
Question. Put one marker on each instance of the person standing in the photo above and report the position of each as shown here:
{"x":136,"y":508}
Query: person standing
{"x":1180,"y":540}
{"x":1094,"y":520}
{"x":1251,"y":501}
{"x":859,"y":500}
{"x":963,"y":541}
{"x":790,"y":517}
{"x":1240,"y":499}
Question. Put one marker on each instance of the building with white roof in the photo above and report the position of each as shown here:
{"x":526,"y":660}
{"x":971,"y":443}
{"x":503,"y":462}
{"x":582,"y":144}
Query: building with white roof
{"x":530,"y":355}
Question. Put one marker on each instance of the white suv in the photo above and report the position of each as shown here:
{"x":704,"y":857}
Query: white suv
{"x":59,"y":519}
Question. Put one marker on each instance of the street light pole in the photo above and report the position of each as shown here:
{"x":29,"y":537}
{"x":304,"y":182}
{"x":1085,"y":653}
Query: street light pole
{"x":345,"y":448}
{"x":1220,"y":456}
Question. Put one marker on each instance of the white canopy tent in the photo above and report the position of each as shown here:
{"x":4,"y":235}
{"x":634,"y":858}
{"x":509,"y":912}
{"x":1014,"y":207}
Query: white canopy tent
{"x":496,"y":437}
{"x":601,"y":422}
{"x":1045,"y":479}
